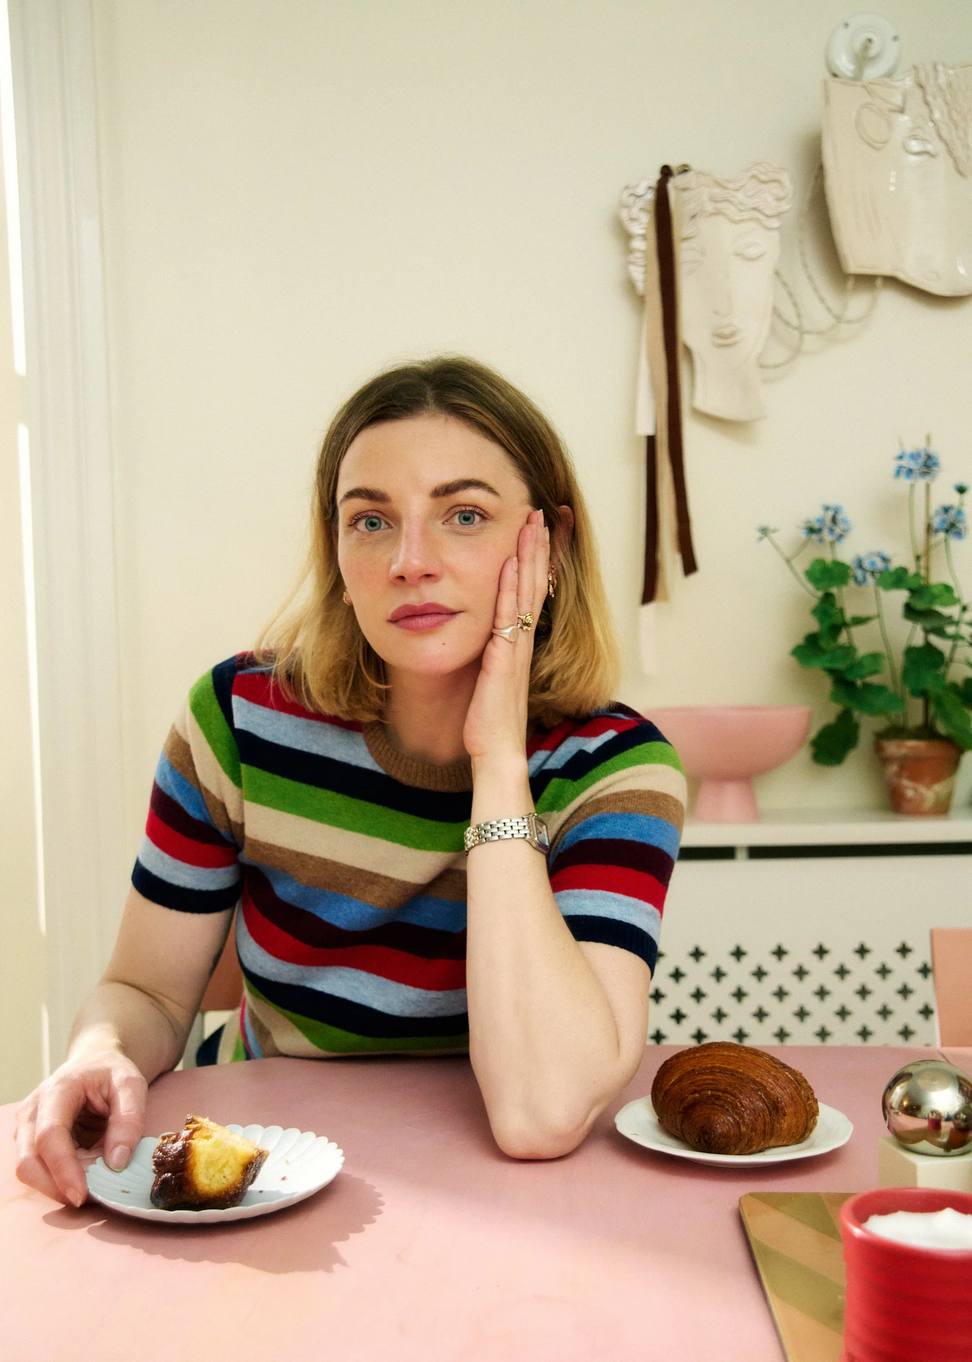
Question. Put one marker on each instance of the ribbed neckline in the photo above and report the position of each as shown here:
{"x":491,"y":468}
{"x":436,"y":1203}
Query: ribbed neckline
{"x":456,"y":778}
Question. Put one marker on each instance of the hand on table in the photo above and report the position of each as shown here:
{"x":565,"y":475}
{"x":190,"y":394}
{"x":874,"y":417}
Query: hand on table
{"x":83,"y":1101}
{"x":497,"y":717}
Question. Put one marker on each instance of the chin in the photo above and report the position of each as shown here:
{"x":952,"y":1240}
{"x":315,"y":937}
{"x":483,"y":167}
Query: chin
{"x":427,"y":656}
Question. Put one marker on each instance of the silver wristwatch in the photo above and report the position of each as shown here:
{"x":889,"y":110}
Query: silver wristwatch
{"x":531,"y":827}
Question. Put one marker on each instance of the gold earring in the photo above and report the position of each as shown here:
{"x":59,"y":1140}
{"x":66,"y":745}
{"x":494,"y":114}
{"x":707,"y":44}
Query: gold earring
{"x":347,"y":598}
{"x":551,"y":583}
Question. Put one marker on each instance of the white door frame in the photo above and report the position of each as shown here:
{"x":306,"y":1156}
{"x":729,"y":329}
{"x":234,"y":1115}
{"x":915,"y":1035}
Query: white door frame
{"x":52,"y":45}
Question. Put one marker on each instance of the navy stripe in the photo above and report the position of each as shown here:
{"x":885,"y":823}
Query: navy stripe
{"x":620,"y":851}
{"x":355,"y":1018}
{"x":355,"y":782}
{"x":611,"y":932}
{"x":427,"y":943}
{"x":182,"y":900}
{"x":174,"y":816}
{"x":224,"y":676}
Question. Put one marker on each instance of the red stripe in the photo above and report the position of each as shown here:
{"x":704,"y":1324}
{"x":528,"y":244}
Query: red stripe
{"x":606,"y":724}
{"x":186,"y":849}
{"x":261,"y":689}
{"x":613,"y":879}
{"x":385,"y":963}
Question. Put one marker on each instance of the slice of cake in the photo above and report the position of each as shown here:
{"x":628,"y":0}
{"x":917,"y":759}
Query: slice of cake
{"x":203,"y":1167}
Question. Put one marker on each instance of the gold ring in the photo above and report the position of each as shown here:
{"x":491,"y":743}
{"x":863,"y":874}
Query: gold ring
{"x":509,"y":633}
{"x":524,"y":622}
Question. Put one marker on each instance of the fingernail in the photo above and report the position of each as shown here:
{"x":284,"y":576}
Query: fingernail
{"x":119,"y":1157}
{"x":77,"y":1197}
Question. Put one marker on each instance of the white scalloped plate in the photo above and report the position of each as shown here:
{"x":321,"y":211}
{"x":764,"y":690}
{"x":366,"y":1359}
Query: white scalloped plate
{"x":639,"y":1123}
{"x":300,"y":1163}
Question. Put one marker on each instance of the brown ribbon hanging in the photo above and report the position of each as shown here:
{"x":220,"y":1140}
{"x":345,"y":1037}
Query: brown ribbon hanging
{"x":665,"y":458}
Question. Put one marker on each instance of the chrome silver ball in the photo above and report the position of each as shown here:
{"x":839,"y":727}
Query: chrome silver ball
{"x":928,"y":1108}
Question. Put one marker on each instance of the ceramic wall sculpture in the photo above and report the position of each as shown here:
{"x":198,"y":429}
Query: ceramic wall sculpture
{"x":729,"y":247}
{"x":898,"y":164}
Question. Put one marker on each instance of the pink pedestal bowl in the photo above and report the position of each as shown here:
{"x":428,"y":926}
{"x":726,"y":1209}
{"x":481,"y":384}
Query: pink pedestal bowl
{"x":726,"y":745}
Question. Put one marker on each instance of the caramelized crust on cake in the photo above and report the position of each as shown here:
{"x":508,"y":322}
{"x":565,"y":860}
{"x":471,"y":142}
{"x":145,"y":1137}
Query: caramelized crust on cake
{"x":203,"y":1167}
{"x":722,"y":1098}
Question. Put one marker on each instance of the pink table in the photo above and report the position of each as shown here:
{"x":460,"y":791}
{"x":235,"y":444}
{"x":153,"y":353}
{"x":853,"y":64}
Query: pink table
{"x":430,"y":1244}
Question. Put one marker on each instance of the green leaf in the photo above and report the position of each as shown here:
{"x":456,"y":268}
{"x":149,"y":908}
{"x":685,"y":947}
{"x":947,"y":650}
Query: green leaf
{"x":899,"y":579}
{"x":809,"y":653}
{"x":865,"y":698}
{"x":951,"y":716}
{"x":868,"y":664}
{"x":924,"y":669}
{"x":830,"y":617}
{"x":826,"y":573}
{"x":856,"y":621}
{"x":831,"y":743}
{"x":936,"y":593}
{"x":964,"y":692}
{"x":932,"y":621}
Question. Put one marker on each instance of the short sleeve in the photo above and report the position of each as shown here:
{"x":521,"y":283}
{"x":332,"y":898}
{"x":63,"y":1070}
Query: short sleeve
{"x":189,"y":857}
{"x":613,"y":797}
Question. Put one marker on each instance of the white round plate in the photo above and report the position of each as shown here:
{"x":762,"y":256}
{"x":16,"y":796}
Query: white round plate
{"x":638,"y":1121}
{"x":300,"y":1163}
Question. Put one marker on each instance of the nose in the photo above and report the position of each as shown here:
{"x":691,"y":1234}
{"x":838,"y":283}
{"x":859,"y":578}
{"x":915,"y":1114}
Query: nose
{"x":415,"y":558}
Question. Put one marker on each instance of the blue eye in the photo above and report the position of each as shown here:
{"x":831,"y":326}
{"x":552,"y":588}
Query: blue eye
{"x":467,"y":517}
{"x":372,"y":523}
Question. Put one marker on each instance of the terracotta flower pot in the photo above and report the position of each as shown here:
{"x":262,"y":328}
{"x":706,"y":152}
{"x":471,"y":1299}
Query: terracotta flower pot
{"x":920,"y":773}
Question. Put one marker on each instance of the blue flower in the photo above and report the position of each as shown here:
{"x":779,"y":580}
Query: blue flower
{"x":830,"y":527}
{"x":950,"y":521}
{"x":869,"y":566}
{"x":917,"y":465}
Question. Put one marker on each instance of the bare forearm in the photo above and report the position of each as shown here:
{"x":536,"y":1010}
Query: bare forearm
{"x":122,"y":1017}
{"x":544,"y":1040}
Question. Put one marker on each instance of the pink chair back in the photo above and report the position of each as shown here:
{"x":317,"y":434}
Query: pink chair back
{"x":952,"y":963}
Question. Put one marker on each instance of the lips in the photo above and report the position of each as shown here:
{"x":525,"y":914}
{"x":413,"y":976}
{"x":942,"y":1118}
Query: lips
{"x":427,"y":615}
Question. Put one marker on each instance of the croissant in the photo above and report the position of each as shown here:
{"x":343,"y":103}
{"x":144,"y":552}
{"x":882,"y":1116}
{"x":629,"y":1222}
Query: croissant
{"x":202,"y":1167}
{"x":722,"y":1098}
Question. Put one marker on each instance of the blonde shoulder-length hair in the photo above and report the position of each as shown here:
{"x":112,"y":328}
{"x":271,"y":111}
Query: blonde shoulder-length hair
{"x":318,"y":653}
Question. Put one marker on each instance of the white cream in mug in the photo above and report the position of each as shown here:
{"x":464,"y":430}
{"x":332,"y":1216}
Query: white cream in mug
{"x":947,"y":1229}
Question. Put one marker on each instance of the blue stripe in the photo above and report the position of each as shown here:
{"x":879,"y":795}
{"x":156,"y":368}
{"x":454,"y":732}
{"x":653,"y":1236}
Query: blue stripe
{"x":629,"y":827}
{"x":249,"y":1036}
{"x":352,"y":915}
{"x":183,"y":792}
{"x":617,"y":907}
{"x":186,"y":876}
{"x":355,"y":986}
{"x":549,"y":761}
{"x":306,"y":735}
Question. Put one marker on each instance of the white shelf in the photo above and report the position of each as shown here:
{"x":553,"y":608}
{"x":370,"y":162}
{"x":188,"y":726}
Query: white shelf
{"x":834,"y":827}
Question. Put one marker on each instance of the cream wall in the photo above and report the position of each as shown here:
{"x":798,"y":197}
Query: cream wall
{"x":296,"y":193}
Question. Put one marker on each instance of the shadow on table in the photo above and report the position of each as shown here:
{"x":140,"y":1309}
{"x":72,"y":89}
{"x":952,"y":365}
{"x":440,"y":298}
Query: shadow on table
{"x":303,"y":1238}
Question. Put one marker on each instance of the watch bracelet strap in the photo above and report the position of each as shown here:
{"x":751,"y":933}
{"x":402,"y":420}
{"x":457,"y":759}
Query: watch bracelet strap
{"x":500,"y":830}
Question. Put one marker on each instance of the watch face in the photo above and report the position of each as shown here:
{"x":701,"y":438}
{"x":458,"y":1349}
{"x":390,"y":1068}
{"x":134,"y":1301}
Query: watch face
{"x":543,"y":837}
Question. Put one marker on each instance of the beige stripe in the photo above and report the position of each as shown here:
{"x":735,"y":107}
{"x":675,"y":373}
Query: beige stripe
{"x":287,"y":1039}
{"x":796,"y":1240}
{"x":381,"y":891}
{"x":218,"y":790}
{"x":806,"y":1339}
{"x":648,"y":779}
{"x":304,"y":835}
{"x":179,"y":754}
{"x":227,"y":1041}
{"x":651,"y":803}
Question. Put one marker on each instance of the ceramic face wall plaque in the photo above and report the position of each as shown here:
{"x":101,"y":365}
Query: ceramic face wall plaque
{"x":898,"y":163}
{"x":730,"y":246}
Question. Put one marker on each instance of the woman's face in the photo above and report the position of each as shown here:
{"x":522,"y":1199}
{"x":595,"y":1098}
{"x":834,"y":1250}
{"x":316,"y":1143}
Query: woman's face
{"x":428,"y":512}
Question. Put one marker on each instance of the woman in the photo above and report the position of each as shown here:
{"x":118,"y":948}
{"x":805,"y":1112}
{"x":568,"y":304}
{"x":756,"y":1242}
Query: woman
{"x":448,"y":666}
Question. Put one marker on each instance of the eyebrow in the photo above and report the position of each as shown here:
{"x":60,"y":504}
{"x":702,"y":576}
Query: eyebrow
{"x":444,"y":489}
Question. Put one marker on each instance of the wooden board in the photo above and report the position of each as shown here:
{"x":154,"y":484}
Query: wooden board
{"x":795,"y":1241}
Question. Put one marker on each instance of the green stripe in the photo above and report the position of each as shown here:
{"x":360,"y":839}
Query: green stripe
{"x":807,"y":1291}
{"x":239,"y":1051}
{"x":560,"y":793}
{"x":353,"y":815}
{"x":208,"y":715}
{"x":336,"y":1041}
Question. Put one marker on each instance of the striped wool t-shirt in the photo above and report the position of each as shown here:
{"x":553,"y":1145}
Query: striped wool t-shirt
{"x":345,"y":857}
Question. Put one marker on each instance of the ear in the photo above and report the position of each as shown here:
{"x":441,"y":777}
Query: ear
{"x":562,"y":535}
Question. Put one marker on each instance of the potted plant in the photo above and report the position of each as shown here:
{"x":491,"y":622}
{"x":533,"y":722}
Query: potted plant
{"x":923,"y":689}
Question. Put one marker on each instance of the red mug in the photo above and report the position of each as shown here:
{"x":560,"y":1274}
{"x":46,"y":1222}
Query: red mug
{"x":901,"y":1300}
